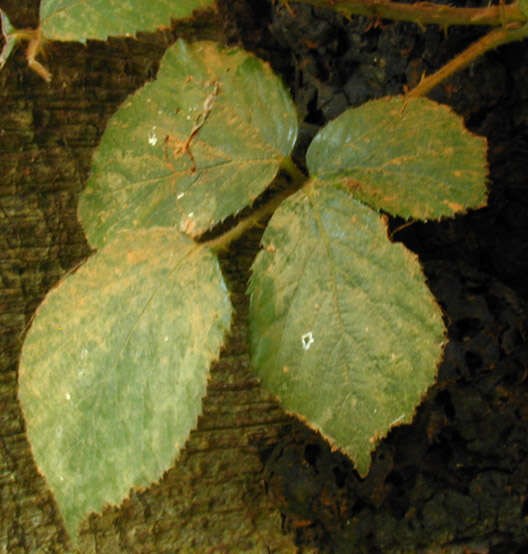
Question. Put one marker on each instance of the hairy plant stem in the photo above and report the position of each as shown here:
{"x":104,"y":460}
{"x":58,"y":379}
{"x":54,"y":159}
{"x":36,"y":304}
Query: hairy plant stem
{"x":491,"y":40}
{"x":35,"y":39}
{"x":423,"y":13}
{"x":295,"y":178}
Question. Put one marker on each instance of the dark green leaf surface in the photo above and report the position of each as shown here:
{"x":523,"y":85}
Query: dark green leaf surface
{"x":141,"y":174}
{"x":99,"y":19}
{"x":343,"y":328}
{"x":115,"y":365}
{"x":409,"y":156}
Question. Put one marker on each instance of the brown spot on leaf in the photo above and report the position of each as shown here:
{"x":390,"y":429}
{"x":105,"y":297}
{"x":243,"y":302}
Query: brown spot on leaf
{"x":134,"y":257}
{"x":454,"y":206}
{"x":352,"y":184}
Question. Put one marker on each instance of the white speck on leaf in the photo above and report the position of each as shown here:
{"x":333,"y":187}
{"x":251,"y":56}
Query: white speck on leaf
{"x":180,"y":195}
{"x":190,"y":214}
{"x":166,"y":339}
{"x":68,"y":396}
{"x":307,"y":340}
{"x":397,"y":420}
{"x":153,"y":138}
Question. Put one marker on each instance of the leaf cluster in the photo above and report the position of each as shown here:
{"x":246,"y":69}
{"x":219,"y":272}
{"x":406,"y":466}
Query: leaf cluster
{"x":343,"y":328}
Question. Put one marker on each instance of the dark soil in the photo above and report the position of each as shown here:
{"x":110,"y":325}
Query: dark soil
{"x":456,"y":480}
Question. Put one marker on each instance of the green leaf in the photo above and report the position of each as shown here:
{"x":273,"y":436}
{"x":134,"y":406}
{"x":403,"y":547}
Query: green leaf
{"x":7,"y":30}
{"x":142,"y":176}
{"x":343,"y":329}
{"x":523,"y":4}
{"x":409,"y":156}
{"x":115,"y":365}
{"x":98,"y":19}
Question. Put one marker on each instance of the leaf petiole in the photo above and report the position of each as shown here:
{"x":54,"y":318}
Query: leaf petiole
{"x":296,"y":179}
{"x":11,"y":37}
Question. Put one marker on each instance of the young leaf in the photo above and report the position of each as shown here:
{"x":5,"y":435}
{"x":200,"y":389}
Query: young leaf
{"x":343,"y":328}
{"x":98,"y":19}
{"x":409,"y":156}
{"x":198,"y":144}
{"x":115,"y":365}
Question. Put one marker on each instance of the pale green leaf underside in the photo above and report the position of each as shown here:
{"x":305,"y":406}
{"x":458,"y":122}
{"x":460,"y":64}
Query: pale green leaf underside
{"x":343,"y":328}
{"x":115,"y":365}
{"x":80,"y":20}
{"x":410,"y":157}
{"x":140,"y":179}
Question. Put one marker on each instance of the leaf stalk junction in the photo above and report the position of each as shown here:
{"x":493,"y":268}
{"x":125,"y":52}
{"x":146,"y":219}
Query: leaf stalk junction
{"x":294,"y":179}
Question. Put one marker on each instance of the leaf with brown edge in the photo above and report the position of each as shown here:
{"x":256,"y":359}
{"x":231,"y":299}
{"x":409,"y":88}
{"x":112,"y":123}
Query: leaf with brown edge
{"x":80,"y":20}
{"x":115,"y":365}
{"x":343,"y":329}
{"x":191,"y":148}
{"x":411,"y":157}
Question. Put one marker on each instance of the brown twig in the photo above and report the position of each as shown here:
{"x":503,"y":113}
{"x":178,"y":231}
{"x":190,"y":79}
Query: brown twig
{"x":34,"y":36}
{"x":423,"y":13}
{"x":493,"y":39}
{"x":33,"y":49}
